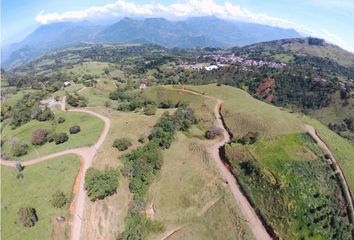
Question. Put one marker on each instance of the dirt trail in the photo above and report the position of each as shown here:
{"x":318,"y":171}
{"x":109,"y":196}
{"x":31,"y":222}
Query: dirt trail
{"x":252,"y":219}
{"x":87,"y":154}
{"x":312,"y":131}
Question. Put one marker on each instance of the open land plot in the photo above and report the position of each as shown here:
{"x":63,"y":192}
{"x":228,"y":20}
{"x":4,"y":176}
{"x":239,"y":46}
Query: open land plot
{"x":35,"y":190}
{"x":288,"y":179}
{"x":91,"y":128}
{"x":190,"y":195}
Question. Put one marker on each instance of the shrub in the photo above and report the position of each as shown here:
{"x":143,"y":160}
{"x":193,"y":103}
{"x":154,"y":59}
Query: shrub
{"x":39,"y":136}
{"x":45,"y":115}
{"x":19,"y":150}
{"x":100,"y":184}
{"x":150,"y":110}
{"x":213,"y":133}
{"x":27,"y":216}
{"x":74,"y":129}
{"x":60,"y":138}
{"x":72,"y":101}
{"x":59,"y":199}
{"x":249,"y":138}
{"x":141,"y":139}
{"x":122,"y":144}
{"x":60,"y":120}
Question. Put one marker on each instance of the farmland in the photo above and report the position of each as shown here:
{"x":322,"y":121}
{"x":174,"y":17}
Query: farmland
{"x":39,"y":183}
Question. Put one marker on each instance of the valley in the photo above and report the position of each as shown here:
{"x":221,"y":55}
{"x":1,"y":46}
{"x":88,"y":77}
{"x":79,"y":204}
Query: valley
{"x":174,"y":144}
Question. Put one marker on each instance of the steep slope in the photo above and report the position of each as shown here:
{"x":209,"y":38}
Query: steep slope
{"x":49,"y":37}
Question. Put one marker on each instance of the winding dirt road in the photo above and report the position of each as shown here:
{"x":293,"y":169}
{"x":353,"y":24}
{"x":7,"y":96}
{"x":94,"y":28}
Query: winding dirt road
{"x":346,"y":191}
{"x":250,"y":216}
{"x":87,"y":154}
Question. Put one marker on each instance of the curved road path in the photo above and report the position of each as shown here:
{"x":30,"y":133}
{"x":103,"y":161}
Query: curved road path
{"x":250,"y":216}
{"x":87,"y":154}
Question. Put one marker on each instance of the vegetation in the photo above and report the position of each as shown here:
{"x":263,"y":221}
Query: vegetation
{"x":59,"y":199}
{"x":100,"y":184}
{"x":39,"y":183}
{"x":60,"y":138}
{"x":213,"y":133}
{"x":122,"y":144}
{"x":27,"y":216}
{"x":291,"y":183}
{"x":74,"y":129}
{"x":39,"y":136}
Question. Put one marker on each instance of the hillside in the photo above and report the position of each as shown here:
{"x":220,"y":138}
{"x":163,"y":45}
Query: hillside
{"x":310,"y":47}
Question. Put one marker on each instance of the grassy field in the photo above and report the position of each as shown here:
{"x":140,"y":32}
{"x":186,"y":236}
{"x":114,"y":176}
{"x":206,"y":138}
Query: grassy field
{"x":91,"y":128}
{"x":203,"y":107}
{"x":13,"y":98}
{"x":243,"y":113}
{"x":95,"y":68}
{"x":290,"y":182}
{"x":104,"y":219}
{"x":97,"y":96}
{"x":189,"y":193}
{"x":35,"y":190}
{"x":342,"y":149}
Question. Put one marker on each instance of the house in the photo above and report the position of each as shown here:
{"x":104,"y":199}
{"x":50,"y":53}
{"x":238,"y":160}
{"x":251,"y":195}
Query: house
{"x":211,"y":67}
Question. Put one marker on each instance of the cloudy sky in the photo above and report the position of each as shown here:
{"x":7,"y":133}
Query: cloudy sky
{"x":332,"y":20}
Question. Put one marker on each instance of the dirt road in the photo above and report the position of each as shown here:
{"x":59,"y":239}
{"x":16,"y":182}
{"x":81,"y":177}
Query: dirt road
{"x":312,"y":131}
{"x":252,"y":219}
{"x":87,"y":154}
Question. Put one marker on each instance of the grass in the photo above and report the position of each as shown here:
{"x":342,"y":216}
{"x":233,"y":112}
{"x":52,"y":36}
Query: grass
{"x":89,"y":68}
{"x":35,"y":190}
{"x":243,"y":113}
{"x":282,"y":57}
{"x":202,"y":106}
{"x":186,"y":184}
{"x":342,"y":149}
{"x":13,"y":98}
{"x":288,"y":179}
{"x":97,"y":96}
{"x":91,"y":128}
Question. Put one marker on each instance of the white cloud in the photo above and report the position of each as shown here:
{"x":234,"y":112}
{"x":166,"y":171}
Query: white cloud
{"x":187,"y":8}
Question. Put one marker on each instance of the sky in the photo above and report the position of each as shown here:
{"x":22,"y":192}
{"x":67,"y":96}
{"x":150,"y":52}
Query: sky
{"x":332,"y":20}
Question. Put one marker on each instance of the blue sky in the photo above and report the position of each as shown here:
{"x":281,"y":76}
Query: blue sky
{"x":329,"y":19}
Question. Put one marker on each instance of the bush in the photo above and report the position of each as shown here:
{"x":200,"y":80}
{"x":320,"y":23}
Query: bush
{"x":249,"y":138}
{"x":60,"y":120}
{"x":100,"y":184}
{"x":150,"y":110}
{"x":27,"y":216}
{"x":60,"y":138}
{"x":122,"y":144}
{"x":59,"y":199}
{"x":74,"y":129}
{"x":39,"y":136}
{"x":213,"y":133}
{"x":19,"y":150}
{"x":45,"y":115}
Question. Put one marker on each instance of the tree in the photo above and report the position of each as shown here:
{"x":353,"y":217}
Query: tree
{"x":19,"y":167}
{"x":60,"y":138}
{"x":150,"y":110}
{"x":27,"y":216}
{"x":19,"y":150}
{"x":74,"y":129}
{"x":45,"y":115}
{"x":39,"y":136}
{"x":213,"y":133}
{"x":60,"y":120}
{"x":100,"y":184}
{"x":59,"y":199}
{"x":122,"y":144}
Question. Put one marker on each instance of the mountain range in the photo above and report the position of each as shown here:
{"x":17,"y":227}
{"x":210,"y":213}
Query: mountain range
{"x":189,"y":33}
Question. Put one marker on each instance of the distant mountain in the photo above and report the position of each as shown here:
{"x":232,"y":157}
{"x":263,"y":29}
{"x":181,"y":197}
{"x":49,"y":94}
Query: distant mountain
{"x":307,"y":46}
{"x":49,"y":37}
{"x":193,"y":32}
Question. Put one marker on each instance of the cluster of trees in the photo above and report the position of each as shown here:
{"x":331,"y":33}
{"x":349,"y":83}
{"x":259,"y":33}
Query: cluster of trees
{"x":122,"y":144}
{"x":25,"y":110}
{"x":344,"y":128}
{"x":76,"y":100}
{"x":100,"y":184}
